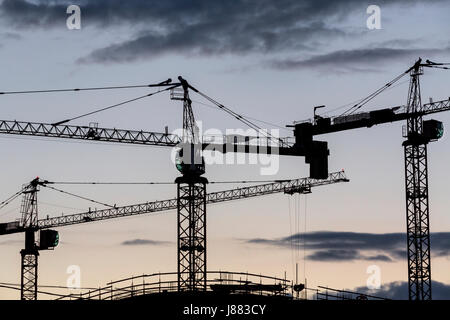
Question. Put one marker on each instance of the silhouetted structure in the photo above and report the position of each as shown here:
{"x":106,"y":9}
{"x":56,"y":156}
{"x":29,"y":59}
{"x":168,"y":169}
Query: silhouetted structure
{"x":418,"y":133}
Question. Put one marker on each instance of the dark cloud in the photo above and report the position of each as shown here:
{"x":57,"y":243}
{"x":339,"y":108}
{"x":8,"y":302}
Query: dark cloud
{"x":357,"y":59}
{"x":345,"y":255}
{"x":350,"y":246}
{"x":209,"y":40}
{"x":401,"y":254}
{"x":206,"y":27}
{"x":398,"y":290}
{"x":399,"y":43}
{"x":173,"y":13}
{"x":24,"y":14}
{"x":140,"y":242}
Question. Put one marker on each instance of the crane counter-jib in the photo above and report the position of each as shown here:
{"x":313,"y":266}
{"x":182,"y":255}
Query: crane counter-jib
{"x":325,"y":125}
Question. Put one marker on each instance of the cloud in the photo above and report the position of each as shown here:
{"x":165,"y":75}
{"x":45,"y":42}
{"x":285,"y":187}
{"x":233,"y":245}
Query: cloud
{"x":174,"y":13}
{"x":140,"y":242}
{"x":345,"y":255}
{"x":205,"y":27}
{"x":351,"y":246}
{"x":398,"y":290}
{"x":256,"y":13}
{"x":201,"y":40}
{"x":24,"y":14}
{"x":399,"y":43}
{"x":356,"y":59}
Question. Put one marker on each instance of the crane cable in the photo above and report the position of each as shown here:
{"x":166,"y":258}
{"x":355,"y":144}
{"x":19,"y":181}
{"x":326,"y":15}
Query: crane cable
{"x":107,"y":183}
{"x":78,"y":196}
{"x":258,"y":120}
{"x":296,"y":236}
{"x":365,"y":100}
{"x":291,"y":240}
{"x":371,"y":96}
{"x":297,"y":233}
{"x":60,"y":206}
{"x":298,"y":216}
{"x":304,"y":237}
{"x":355,"y":101}
{"x":159,"y":183}
{"x":294,"y":228}
{"x":152,"y":85}
{"x":436,"y":65}
{"x":133,"y":183}
{"x":10,"y":199}
{"x":17,"y":194}
{"x":114,"y":105}
{"x":238,"y":116}
{"x":13,"y":197}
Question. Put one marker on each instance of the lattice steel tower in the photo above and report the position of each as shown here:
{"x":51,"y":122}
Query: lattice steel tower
{"x":191,"y":202}
{"x":417,"y":208}
{"x":29,"y":264}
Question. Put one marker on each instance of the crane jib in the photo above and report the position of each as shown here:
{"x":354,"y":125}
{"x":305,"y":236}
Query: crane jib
{"x":171,"y":204}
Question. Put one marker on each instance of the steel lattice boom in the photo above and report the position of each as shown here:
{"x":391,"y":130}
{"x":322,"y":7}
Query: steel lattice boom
{"x":88,"y":133}
{"x":139,"y":137}
{"x":171,"y":204}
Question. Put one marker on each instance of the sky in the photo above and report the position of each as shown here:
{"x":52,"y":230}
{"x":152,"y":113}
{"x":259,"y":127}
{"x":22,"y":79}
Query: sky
{"x":272,"y":61}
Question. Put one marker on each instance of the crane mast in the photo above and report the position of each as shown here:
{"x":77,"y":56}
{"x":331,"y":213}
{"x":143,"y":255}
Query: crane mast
{"x":191,"y":203}
{"x":416,"y":187}
{"x":29,"y":255}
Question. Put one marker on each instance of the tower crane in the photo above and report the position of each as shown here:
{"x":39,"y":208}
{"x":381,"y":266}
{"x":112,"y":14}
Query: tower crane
{"x":418,"y":134}
{"x":48,"y":238}
{"x":191,"y":186}
{"x":191,"y":201}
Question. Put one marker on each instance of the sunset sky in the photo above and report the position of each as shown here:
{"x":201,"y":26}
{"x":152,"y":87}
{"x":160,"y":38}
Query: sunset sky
{"x":272,"y":61}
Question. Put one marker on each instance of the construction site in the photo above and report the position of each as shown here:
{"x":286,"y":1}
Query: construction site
{"x":191,"y":203}
{"x":214,"y":163}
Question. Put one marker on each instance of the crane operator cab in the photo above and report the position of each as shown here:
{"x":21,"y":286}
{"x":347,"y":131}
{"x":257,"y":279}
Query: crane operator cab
{"x":433,"y":129}
{"x":189,"y":160}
